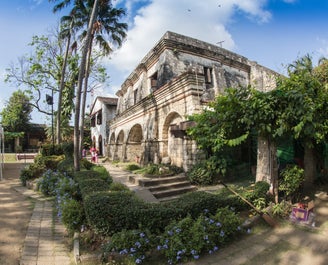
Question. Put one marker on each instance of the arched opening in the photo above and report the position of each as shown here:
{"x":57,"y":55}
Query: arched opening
{"x":172,"y":143}
{"x":133,"y":147}
{"x":119,"y":146}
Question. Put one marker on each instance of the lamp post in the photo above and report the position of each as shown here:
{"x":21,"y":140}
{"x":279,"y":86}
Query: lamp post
{"x":50,"y":101}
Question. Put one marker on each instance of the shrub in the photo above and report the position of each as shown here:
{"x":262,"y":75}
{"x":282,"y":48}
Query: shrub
{"x":107,"y":212}
{"x":68,"y":149}
{"x":193,"y":203}
{"x":132,"y":167}
{"x":49,"y":149}
{"x":95,"y":173}
{"x":189,"y":238}
{"x":73,"y":216}
{"x":30,"y":172}
{"x":47,"y":183}
{"x":85,"y":163}
{"x":103,"y":173}
{"x":292,"y":180}
{"x":67,"y":166}
{"x":133,"y":243}
{"x":88,"y":186}
{"x":118,"y":186}
{"x":51,"y":162}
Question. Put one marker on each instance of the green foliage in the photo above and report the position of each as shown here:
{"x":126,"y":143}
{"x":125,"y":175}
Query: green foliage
{"x":292,"y":179}
{"x":73,"y":216}
{"x":88,"y":186}
{"x":282,"y":209}
{"x":50,"y":162}
{"x":189,"y":238}
{"x":133,"y":243}
{"x":107,"y":212}
{"x":208,"y":172}
{"x":47,"y":184}
{"x":16,"y":114}
{"x":118,"y":186}
{"x":103,"y":172}
{"x":68,"y":149}
{"x":132,"y":167}
{"x":49,"y":150}
{"x":32,"y":171}
{"x":85,"y":163}
{"x":194,"y":203}
{"x":66,"y":166}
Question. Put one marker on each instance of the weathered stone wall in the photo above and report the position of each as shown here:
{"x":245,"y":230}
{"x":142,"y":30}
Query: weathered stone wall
{"x":176,"y":79}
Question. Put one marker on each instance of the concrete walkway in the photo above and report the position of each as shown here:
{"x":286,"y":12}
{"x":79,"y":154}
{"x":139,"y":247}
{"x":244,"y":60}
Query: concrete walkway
{"x":44,"y":242}
{"x":45,"y":237}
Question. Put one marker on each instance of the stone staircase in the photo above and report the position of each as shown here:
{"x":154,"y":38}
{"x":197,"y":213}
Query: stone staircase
{"x":166,"y":188}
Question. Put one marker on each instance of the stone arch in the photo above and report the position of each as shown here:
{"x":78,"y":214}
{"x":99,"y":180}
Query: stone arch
{"x":118,"y":155}
{"x":134,"y":148}
{"x":172,"y":145}
{"x":111,"y":146}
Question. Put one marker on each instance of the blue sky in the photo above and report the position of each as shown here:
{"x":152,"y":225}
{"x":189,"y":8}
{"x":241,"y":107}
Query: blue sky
{"x":272,"y":32}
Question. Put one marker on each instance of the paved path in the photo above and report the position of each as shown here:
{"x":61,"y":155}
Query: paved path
{"x":44,"y":243}
{"x":285,"y":245}
{"x":45,"y":238}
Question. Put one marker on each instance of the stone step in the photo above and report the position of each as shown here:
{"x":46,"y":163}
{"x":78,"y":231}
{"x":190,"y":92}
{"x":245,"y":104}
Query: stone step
{"x":173,"y":192}
{"x":168,"y":186}
{"x":149,"y":182}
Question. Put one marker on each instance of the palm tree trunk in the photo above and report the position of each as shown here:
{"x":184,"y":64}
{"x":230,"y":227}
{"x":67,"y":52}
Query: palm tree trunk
{"x":77,"y":153}
{"x":61,"y":88}
{"x":84,"y":97}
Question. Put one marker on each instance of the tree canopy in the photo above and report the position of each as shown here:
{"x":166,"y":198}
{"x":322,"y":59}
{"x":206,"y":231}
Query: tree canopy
{"x":297,"y":108}
{"x":16,"y":114}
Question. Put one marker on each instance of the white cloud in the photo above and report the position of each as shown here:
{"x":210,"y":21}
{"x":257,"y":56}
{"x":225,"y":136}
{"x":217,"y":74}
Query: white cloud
{"x":204,"y":20}
{"x":323,"y":50}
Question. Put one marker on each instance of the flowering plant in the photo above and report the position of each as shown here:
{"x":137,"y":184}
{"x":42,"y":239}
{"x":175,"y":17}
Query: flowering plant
{"x":132,"y":243}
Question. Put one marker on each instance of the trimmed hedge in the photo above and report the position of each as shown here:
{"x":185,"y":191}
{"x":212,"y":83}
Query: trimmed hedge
{"x":108,"y":212}
{"x":111,"y":212}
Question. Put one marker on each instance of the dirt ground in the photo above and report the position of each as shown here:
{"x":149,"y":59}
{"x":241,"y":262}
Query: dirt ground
{"x":15,"y":214}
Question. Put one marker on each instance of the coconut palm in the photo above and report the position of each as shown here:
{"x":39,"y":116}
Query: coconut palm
{"x":101,"y":18}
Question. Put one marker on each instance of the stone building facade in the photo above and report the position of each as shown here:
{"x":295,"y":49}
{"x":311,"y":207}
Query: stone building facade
{"x":177,"y":78}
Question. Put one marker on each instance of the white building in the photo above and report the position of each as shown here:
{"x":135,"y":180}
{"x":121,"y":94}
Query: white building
{"x":103,"y":110}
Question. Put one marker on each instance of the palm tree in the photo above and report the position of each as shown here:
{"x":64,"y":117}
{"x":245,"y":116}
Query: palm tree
{"x":67,"y":25}
{"x":102,"y":17}
{"x":107,"y":23}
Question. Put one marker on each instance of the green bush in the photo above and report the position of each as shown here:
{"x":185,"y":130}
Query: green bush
{"x":189,"y":238}
{"x":47,"y":184}
{"x":30,"y":172}
{"x":95,"y":173}
{"x":73,"y":216}
{"x":49,"y":149}
{"x":68,"y":149}
{"x":194,"y":203}
{"x":85,"y":163}
{"x":104,"y":174}
{"x":118,"y":186}
{"x":133,"y":243}
{"x":292,"y":180}
{"x":66,"y":166}
{"x":132,"y":167}
{"x":108,"y":212}
{"x":88,"y":186}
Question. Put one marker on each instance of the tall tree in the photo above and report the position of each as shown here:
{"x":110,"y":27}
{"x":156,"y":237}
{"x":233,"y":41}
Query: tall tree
{"x":306,"y":110}
{"x":108,"y":22}
{"x":16,"y":115}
